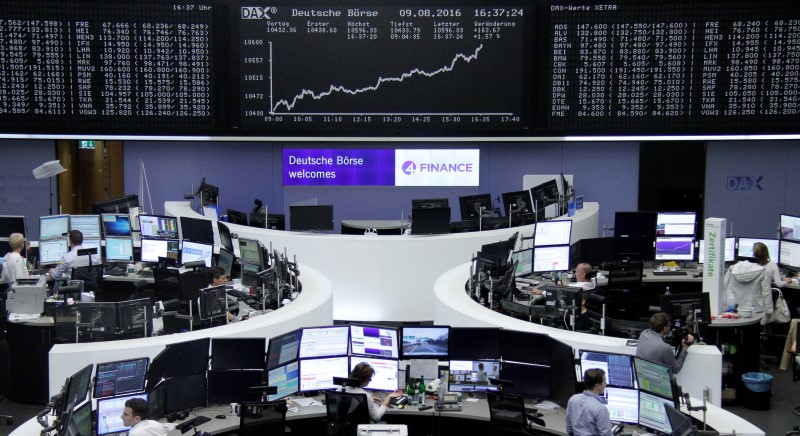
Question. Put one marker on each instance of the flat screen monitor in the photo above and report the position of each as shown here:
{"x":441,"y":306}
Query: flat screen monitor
{"x":286,"y":378}
{"x":195,"y":252}
{"x":594,"y":251}
{"x":790,"y":254}
{"x":109,"y":413}
{"x":152,"y":249}
{"x":97,"y":245}
{"x":500,"y":250}
{"x":51,"y":251}
{"x":474,"y":343}
{"x":88,"y":225}
{"x":527,"y":347}
{"x":524,"y":261}
{"x":530,"y":381}
{"x":627,"y":224}
{"x":272,"y":221}
{"x":116,"y":225}
{"x":790,"y":228}
{"x":730,"y":250}
{"x":374,"y":341}
{"x":185,"y":393}
{"x":184,"y":358}
{"x":517,"y":203}
{"x":197,"y":230}
{"x":675,"y":223}
{"x":12,"y":224}
{"x":653,"y":414}
{"x":134,"y":316}
{"x":429,"y":203}
{"x":473,"y":206}
{"x":554,"y":258}
{"x":318,"y":374}
{"x":225,"y":387}
{"x":385,"y":377}
{"x":653,"y":377}
{"x":284,"y":348}
{"x":745,"y":247}
{"x":618,"y":367}
{"x":250,"y":274}
{"x":674,"y":248}
{"x":158,"y":227}
{"x":236,"y":217}
{"x":225,"y":240}
{"x":79,"y":421}
{"x":688,"y":307}
{"x":311,"y":218}
{"x":545,"y":193}
{"x":680,"y":423}
{"x":250,"y":251}
{"x":238,"y":353}
{"x":120,"y":377}
{"x":433,"y":221}
{"x":116,"y":205}
{"x":622,"y":404}
{"x":473,"y":375}
{"x":213,"y":302}
{"x":119,"y":250}
{"x":428,"y":341}
{"x":324,"y":341}
{"x":53,"y":226}
{"x":79,"y":386}
{"x":225,"y":261}
{"x":552,"y":233}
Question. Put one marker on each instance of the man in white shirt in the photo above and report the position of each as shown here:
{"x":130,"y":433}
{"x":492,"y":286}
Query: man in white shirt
{"x":135,"y":416}
{"x":583,"y":276}
{"x":71,"y":259}
{"x":13,"y":262}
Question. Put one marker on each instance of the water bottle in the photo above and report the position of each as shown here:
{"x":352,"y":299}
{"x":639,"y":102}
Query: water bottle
{"x":412,"y":393}
{"x":666,"y":292}
{"x":421,"y":391}
{"x":731,"y":301}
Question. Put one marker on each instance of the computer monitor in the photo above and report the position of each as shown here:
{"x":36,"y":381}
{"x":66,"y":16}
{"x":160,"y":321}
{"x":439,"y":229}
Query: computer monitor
{"x":745,"y":248}
{"x":622,"y":404}
{"x":374,"y":341}
{"x":250,"y":251}
{"x":53,"y":226}
{"x":12,"y":224}
{"x":134,"y":317}
{"x":552,"y":233}
{"x":675,"y":223}
{"x":652,"y":412}
{"x":530,"y":381}
{"x":225,"y":387}
{"x":284,"y":348}
{"x":318,"y":374}
{"x":618,"y":367}
{"x":688,"y":307}
{"x":97,"y":245}
{"x":653,"y":378}
{"x":286,"y":378}
{"x":109,"y":413}
{"x":594,"y":251}
{"x":158,"y":227}
{"x":385,"y":377}
{"x":208,"y":193}
{"x":473,"y":375}
{"x":473,"y":206}
{"x":236,"y":217}
{"x":250,"y":274}
{"x":213,"y":302}
{"x":527,"y":347}
{"x":51,"y":251}
{"x":79,"y":385}
{"x":120,"y":377}
{"x":183,"y":358}
{"x":116,"y":225}
{"x":680,"y":423}
{"x":88,"y":225}
{"x":524,"y":261}
{"x":474,"y":343}
{"x":429,"y":203}
{"x":152,"y":249}
{"x":311,"y":218}
{"x":430,"y":221}
{"x":790,"y":254}
{"x":324,"y":341}
{"x":225,"y":261}
{"x":425,"y":342}
{"x":518,"y":203}
{"x":790,"y":228}
{"x":554,"y":258}
{"x":196,"y":252}
{"x":633,"y":235}
{"x":225,"y":240}
{"x":119,"y":250}
{"x":116,"y":205}
{"x":79,"y":421}
{"x":730,"y":250}
{"x":545,"y":193}
{"x":238,"y":353}
{"x":197,"y":230}
{"x":185,"y":393}
{"x":674,"y":248}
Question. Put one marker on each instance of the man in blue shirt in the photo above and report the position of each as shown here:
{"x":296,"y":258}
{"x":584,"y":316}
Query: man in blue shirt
{"x":587,"y":414}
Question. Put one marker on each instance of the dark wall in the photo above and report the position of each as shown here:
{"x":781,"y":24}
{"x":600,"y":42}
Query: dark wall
{"x":20,"y":193}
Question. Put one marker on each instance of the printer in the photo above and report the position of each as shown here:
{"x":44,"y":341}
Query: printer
{"x":27,"y":295}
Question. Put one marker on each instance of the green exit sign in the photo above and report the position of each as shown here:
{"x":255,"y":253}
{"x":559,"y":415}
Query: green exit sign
{"x":86,"y":145}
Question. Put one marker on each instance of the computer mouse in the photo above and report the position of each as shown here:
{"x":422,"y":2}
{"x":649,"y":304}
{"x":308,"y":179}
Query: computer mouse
{"x":220,"y":416}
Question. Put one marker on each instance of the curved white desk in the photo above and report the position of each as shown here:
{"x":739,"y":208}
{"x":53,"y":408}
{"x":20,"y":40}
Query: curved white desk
{"x":384,"y":277}
{"x":314,"y":306}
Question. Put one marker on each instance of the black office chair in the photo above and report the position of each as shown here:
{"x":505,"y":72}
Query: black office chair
{"x":167,"y":286}
{"x":91,"y":275}
{"x":258,"y":419}
{"x":191,"y":283}
{"x":508,"y":416}
{"x":345,"y":411}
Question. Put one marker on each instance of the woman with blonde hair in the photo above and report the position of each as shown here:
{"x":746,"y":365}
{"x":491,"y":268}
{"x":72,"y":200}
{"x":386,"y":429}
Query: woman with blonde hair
{"x":761,"y":254}
{"x":13,"y":263}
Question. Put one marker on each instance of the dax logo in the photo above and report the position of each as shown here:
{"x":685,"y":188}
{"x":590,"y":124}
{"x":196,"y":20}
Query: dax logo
{"x":257,"y":12}
{"x":745,"y":183}
{"x":409,"y":167}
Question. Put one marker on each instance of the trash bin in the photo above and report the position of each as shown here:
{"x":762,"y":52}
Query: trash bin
{"x":759,"y":390}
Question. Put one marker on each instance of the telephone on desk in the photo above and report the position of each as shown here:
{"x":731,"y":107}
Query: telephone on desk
{"x":448,"y":403}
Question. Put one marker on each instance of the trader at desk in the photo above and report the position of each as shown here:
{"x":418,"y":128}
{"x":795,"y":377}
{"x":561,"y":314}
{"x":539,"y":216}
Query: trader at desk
{"x":653,"y":348}
{"x":363,"y":372}
{"x":587,"y":414}
{"x":583,"y":276}
{"x":71,"y":259}
{"x":13,"y":263}
{"x":134,"y":415}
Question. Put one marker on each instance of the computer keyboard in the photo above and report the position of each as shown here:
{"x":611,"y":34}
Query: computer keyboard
{"x":238,"y":294}
{"x":116,"y":272}
{"x":669,"y":273}
{"x":531,"y":282}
